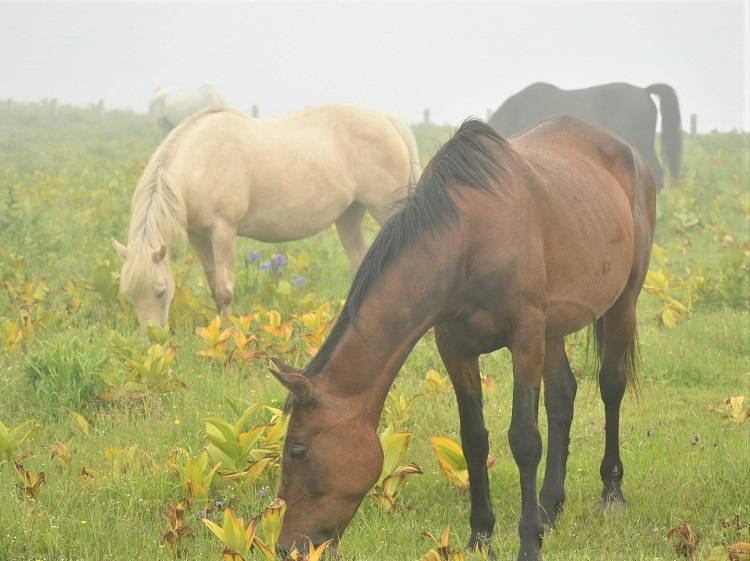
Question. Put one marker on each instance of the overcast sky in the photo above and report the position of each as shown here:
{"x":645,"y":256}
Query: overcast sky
{"x":458,"y":59}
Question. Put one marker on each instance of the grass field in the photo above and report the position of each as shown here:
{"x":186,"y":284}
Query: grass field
{"x":113,"y":465}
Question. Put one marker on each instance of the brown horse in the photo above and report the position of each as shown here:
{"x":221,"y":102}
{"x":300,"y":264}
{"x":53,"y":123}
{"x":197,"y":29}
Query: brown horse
{"x":503,"y":244}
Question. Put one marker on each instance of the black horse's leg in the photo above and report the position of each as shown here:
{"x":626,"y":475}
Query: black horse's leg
{"x":527,"y":348}
{"x":559,"y":397}
{"x":464,"y":373}
{"x":618,"y":338}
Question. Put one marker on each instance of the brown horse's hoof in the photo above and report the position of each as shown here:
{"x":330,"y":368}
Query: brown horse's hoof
{"x":480,"y":543}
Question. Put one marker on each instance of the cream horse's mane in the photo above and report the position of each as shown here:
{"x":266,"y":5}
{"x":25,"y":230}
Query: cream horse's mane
{"x":158,"y":216}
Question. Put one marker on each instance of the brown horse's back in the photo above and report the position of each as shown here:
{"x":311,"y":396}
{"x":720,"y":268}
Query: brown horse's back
{"x":577,"y":210}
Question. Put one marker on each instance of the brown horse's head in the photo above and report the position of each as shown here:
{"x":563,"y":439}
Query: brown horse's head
{"x":331,"y":459}
{"x":148,"y":281}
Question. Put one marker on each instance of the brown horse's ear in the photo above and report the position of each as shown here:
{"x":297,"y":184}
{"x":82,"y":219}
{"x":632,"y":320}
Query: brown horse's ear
{"x":159,"y":255}
{"x":121,"y":250}
{"x":293,"y":380}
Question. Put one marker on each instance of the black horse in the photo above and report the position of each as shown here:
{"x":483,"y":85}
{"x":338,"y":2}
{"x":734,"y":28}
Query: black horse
{"x":626,"y":110}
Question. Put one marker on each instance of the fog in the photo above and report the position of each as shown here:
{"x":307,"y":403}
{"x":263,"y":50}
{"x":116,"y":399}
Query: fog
{"x":457,"y":59}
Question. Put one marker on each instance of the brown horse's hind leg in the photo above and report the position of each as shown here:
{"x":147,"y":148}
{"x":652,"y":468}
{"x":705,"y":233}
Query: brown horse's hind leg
{"x":559,"y":398}
{"x":349,"y":228}
{"x":464,"y":373}
{"x":617,"y":335}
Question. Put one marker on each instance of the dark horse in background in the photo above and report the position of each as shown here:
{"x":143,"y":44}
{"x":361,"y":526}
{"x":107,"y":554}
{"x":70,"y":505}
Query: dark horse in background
{"x":626,"y":110}
{"x":504,"y":243}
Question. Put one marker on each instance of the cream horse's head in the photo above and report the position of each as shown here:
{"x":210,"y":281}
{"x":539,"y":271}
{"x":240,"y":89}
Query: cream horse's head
{"x":148,"y":282}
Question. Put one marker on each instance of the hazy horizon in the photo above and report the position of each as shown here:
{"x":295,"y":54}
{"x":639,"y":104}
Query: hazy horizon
{"x":457,"y":59}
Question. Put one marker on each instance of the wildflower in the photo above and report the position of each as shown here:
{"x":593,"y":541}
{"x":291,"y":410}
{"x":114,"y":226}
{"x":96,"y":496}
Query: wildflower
{"x":278,"y":262}
{"x":265,"y":266}
{"x":299,"y":281}
{"x":252,"y":257}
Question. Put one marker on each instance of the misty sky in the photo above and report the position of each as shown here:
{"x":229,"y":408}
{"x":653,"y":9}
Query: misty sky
{"x":457,"y":58}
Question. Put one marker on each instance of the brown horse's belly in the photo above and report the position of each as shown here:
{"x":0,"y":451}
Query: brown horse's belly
{"x":587,"y":292}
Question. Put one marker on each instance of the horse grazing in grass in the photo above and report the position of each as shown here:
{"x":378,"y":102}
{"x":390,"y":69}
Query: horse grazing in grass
{"x":222,"y":174}
{"x":624,"y":109}
{"x":503,"y":244}
{"x":170,"y":106}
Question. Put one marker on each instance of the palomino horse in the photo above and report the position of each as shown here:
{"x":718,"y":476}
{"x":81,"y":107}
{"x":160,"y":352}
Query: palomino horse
{"x":502,"y":244}
{"x":170,"y":106}
{"x":624,"y":109}
{"x":221,"y":174}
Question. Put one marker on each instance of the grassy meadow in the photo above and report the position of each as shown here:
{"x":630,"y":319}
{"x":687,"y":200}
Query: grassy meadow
{"x":117,"y":423}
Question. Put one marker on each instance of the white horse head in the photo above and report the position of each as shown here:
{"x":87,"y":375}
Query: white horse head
{"x":148,"y":281}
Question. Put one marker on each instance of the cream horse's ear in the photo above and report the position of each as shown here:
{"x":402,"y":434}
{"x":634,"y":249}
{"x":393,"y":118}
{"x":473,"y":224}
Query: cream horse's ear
{"x":121,"y":250}
{"x":160,"y":254}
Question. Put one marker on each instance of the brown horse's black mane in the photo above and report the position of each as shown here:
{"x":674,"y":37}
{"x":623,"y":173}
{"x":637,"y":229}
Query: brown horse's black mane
{"x":468,"y":159}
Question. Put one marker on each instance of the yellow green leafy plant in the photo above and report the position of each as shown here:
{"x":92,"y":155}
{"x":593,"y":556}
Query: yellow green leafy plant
{"x":12,"y":438}
{"x":240,"y":452}
{"x":393,"y":477}
{"x":452,"y":461}
{"x":443,"y":550}
{"x":239,"y":539}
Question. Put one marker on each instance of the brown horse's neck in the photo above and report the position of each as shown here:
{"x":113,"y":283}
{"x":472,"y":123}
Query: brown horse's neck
{"x":390,"y":321}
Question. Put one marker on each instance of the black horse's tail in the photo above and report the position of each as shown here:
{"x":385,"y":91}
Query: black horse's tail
{"x":671,"y":126}
{"x":632,"y":356}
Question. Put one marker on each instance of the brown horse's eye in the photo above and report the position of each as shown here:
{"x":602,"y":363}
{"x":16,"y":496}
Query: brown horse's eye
{"x":297,"y":452}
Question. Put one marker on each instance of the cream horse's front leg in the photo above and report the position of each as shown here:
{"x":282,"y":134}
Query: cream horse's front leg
{"x":204,"y":250}
{"x":223,"y":245}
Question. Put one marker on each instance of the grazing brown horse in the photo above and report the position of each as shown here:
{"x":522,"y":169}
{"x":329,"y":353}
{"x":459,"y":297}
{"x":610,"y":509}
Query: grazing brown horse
{"x":503,"y":244}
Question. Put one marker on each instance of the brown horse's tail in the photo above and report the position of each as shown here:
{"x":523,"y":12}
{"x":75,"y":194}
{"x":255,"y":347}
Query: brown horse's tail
{"x":632,"y":356}
{"x":671,"y":126}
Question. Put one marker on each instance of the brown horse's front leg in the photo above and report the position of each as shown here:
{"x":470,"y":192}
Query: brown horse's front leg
{"x":464,"y":373}
{"x":523,"y":434}
{"x":559,"y":398}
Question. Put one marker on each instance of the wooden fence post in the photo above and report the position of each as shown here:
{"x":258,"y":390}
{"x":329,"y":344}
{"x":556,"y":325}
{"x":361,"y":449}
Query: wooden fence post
{"x":426,"y":116}
{"x":693,"y":124}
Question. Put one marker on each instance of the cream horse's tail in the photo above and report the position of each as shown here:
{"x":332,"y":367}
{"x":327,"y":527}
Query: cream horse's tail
{"x":415,"y":168}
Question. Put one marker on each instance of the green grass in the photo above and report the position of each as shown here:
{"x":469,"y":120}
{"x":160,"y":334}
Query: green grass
{"x":65,"y":191}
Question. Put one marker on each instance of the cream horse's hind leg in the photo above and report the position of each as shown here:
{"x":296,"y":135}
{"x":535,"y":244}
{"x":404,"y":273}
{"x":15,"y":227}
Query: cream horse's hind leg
{"x":349,"y":228}
{"x":223,"y":245}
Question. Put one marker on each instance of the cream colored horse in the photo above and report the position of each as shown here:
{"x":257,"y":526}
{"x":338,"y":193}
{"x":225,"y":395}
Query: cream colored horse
{"x":222,"y":174}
